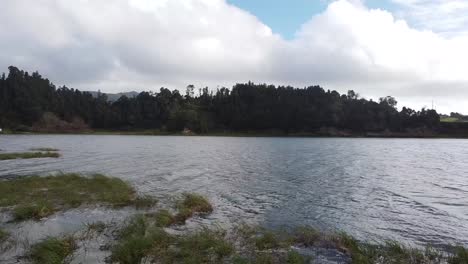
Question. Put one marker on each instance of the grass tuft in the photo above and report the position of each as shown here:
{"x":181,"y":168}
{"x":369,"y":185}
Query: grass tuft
{"x":190,"y":205}
{"x":28,"y":155}
{"x":35,"y":211}
{"x":52,"y":251}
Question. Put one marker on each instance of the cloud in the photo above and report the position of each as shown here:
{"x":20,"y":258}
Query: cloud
{"x":117,"y":45}
{"x":444,"y":17}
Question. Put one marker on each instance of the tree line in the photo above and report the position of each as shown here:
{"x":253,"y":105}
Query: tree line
{"x":31,"y":102}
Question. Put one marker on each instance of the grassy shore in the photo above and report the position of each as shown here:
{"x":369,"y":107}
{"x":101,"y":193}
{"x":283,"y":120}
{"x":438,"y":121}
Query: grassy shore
{"x":147,"y":238}
{"x":28,"y":155}
{"x":143,"y":239}
{"x":157,"y":236}
{"x":37,"y":197}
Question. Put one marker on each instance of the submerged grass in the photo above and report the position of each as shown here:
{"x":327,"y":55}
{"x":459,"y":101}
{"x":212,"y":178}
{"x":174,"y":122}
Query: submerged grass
{"x":28,"y":155}
{"x":37,"y":197}
{"x":3,"y":235}
{"x":52,"y":250}
{"x":97,"y":227}
{"x":45,"y":149}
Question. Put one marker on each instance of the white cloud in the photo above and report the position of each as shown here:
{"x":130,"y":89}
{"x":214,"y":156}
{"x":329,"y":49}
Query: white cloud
{"x":447,"y":17}
{"x":116,"y":45}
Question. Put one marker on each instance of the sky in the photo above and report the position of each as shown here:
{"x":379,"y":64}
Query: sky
{"x":414,"y":50}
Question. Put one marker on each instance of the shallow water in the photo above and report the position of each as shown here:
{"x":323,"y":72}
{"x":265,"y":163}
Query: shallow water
{"x":410,"y":190}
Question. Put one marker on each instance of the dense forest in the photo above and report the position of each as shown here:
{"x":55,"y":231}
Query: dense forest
{"x":29,"y":102}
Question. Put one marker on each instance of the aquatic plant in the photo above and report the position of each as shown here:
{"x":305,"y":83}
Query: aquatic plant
{"x":28,"y":155}
{"x":144,"y":202}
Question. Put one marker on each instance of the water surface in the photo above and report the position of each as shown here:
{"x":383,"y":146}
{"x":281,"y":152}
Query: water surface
{"x":411,"y":190}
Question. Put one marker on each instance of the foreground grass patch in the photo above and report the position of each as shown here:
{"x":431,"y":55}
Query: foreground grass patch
{"x":137,"y":239}
{"x":37,"y":197}
{"x":192,"y":204}
{"x":28,"y":155}
{"x":52,"y":251}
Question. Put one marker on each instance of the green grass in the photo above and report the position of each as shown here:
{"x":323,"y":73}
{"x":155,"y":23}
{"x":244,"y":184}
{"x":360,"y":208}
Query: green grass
{"x":45,"y":149}
{"x":28,"y":155}
{"x":192,"y":204}
{"x":267,"y":240}
{"x":36,"y":197}
{"x":36,"y":211}
{"x":52,"y":251}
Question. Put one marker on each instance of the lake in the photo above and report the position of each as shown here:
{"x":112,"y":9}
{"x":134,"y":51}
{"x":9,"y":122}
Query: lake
{"x":410,"y":190}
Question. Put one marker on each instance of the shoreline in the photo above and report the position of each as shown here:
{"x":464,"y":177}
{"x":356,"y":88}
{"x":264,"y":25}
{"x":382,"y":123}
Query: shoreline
{"x":242,"y":134}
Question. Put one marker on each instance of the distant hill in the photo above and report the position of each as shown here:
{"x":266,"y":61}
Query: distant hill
{"x":114,"y":97}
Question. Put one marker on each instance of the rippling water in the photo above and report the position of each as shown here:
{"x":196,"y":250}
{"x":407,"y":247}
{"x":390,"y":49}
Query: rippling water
{"x":412,"y":190}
